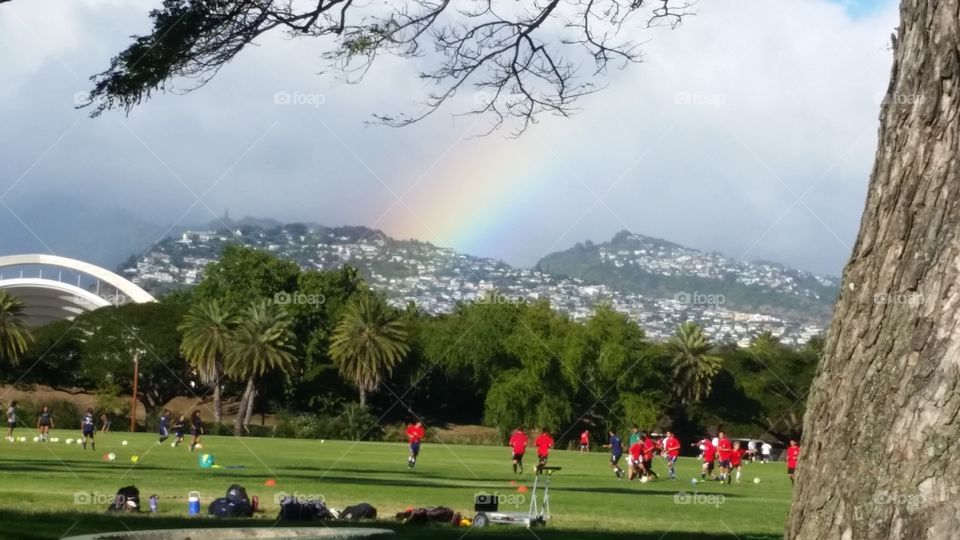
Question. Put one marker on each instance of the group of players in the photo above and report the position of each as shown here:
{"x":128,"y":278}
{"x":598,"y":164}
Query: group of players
{"x":722,"y":459}
{"x":88,"y":426}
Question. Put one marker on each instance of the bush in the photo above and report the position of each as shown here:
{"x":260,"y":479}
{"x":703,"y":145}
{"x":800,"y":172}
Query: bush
{"x":353,"y":423}
{"x":65,"y":414}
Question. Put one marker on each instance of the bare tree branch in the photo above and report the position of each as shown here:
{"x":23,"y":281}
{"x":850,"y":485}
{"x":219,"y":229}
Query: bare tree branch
{"x":520,"y":59}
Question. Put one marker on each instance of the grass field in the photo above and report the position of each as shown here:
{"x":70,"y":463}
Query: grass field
{"x":40,"y":484}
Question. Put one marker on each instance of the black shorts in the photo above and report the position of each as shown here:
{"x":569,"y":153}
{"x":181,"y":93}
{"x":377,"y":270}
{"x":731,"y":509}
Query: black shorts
{"x":791,"y":470}
{"x":709,"y":465}
{"x":44,"y":425}
{"x":543,"y":459}
{"x":725,"y":463}
{"x":11,"y":425}
{"x":648,"y":464}
{"x":88,"y":432}
{"x":615,"y":458}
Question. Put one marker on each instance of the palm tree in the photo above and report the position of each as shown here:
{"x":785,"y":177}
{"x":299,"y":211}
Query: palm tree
{"x":693,"y":367}
{"x":262,"y":342}
{"x":368,"y":342}
{"x":14,"y":335}
{"x":206,"y":330}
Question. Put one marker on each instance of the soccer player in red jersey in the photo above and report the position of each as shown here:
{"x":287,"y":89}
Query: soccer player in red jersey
{"x":709,"y":454}
{"x":518,"y":442}
{"x":649,"y":449}
{"x":736,"y":459}
{"x":671,"y":446}
{"x":793,"y":456}
{"x":415,"y":433}
{"x":544,"y":442}
{"x":636,"y":459}
{"x":585,"y":441}
{"x":724,"y":449}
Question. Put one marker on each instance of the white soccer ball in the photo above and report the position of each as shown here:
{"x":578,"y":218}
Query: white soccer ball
{"x":756,"y":480}
{"x":55,"y":439}
{"x":199,"y":445}
{"x":322,"y":441}
{"x":644,"y":479}
{"x":124,"y":443}
{"x":79,"y":441}
{"x":693,"y":480}
{"x":111,"y":456}
{"x":173,"y":445}
{"x":69,"y":441}
{"x":36,"y":439}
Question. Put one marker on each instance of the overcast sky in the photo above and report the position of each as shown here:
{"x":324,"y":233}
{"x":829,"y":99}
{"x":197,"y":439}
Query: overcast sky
{"x":748,"y":130}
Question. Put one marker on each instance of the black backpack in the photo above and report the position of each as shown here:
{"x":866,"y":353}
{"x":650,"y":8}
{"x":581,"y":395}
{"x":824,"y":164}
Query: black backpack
{"x":359,"y":511}
{"x":292,"y":509}
{"x":127,"y":499}
{"x":238,"y":494}
{"x":224,"y":507}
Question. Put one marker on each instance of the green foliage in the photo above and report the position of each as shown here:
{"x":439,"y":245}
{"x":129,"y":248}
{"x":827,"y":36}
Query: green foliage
{"x":693,"y":366}
{"x":243,"y":275}
{"x":368,"y":342}
{"x":14,"y":335}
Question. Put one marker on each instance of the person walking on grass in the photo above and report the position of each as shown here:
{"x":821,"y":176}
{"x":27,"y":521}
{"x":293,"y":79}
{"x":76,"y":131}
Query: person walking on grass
{"x":671,"y":448}
{"x":164,"y":426}
{"x":415,"y":434}
{"x":724,"y":449}
{"x":44,"y":423}
{"x":649,"y":450}
{"x":736,"y":459}
{"x":196,"y":429}
{"x":585,"y":441}
{"x":11,"y":420}
{"x":793,"y":457}
{"x":179,"y":427}
{"x":87,"y":428}
{"x":518,"y":443}
{"x":616,"y":451}
{"x":543,"y":442}
{"x":104,"y":423}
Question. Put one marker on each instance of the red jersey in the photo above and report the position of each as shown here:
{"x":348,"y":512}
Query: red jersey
{"x":636,"y":450}
{"x":585,"y":438}
{"x":724,"y":448}
{"x":672,"y":446}
{"x":793,"y":454}
{"x":543,"y":443}
{"x":709,"y":451}
{"x":415,"y":433}
{"x":649,"y":448}
{"x":736,"y":456}
{"x":518,"y":441}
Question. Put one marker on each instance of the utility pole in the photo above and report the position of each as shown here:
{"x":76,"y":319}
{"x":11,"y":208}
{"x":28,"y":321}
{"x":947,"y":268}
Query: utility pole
{"x":133,"y":403}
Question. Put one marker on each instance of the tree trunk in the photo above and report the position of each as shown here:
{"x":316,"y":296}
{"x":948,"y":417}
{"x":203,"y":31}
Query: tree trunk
{"x":249,"y":413}
{"x":217,"y":402}
{"x":242,"y":408}
{"x":363,"y":397}
{"x":878,"y":456}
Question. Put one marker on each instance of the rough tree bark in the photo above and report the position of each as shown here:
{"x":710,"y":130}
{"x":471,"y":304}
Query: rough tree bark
{"x":880,"y":441}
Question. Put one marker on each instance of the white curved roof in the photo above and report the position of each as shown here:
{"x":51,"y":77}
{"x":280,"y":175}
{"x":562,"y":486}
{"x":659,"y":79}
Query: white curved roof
{"x":48,"y":300}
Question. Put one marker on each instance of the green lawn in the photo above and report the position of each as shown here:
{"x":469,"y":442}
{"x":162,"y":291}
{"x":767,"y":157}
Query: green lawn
{"x":40,"y":483}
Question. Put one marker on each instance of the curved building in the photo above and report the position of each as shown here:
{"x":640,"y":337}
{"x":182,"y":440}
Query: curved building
{"x":55,"y":288}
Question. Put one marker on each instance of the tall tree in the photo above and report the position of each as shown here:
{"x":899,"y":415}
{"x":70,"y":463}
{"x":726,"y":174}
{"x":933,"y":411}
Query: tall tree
{"x":368,"y":342}
{"x":263,"y":342}
{"x":14,"y":336}
{"x":693,"y":365}
{"x":878,"y":456}
{"x":206,"y":329}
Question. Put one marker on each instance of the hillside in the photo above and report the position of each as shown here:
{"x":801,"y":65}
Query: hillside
{"x":652,"y":267}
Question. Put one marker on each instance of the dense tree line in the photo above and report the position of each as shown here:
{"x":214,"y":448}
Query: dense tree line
{"x":266,"y":336}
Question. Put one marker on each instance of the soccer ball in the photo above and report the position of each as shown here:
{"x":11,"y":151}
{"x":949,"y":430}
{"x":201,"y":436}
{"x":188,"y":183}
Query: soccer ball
{"x":134,"y":459}
{"x":322,"y":441}
{"x":55,"y":439}
{"x":199,"y":445}
{"x":79,"y":441}
{"x":111,"y":456}
{"x":644,"y":479}
{"x":693,"y":480}
{"x":69,"y":441}
{"x":36,"y":439}
{"x":124,"y":443}
{"x":756,"y":480}
{"x":173,"y":445}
